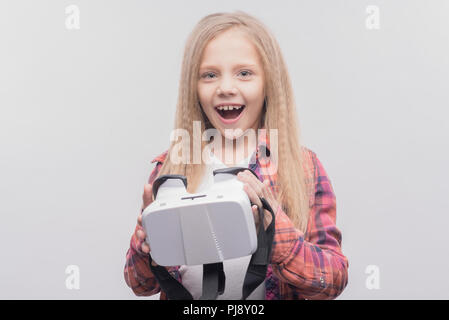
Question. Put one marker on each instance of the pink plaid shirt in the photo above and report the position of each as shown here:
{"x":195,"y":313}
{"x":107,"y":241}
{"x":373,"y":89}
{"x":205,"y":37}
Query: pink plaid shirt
{"x":307,"y":265}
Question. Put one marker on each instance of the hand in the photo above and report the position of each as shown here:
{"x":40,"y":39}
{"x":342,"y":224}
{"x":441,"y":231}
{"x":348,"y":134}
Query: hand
{"x":147,"y":198}
{"x":255,"y":190}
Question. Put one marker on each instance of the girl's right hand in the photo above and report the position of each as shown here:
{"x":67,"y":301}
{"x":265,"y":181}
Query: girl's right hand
{"x":147,"y":198}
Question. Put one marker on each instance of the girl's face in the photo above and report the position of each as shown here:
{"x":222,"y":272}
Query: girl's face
{"x":231,"y":74}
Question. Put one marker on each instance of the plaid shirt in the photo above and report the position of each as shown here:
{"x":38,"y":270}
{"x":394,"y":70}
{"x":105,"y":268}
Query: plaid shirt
{"x":307,"y":265}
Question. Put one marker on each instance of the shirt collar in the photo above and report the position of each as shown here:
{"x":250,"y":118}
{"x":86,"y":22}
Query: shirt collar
{"x":262,"y":152}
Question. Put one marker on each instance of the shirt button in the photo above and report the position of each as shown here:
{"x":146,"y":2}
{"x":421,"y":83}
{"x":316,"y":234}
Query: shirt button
{"x":322,"y":281}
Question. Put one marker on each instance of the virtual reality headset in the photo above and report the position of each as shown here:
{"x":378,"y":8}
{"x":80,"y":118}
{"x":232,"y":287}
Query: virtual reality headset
{"x":205,"y":229}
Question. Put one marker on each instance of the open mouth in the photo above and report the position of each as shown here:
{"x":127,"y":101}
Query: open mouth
{"x":231,"y":112}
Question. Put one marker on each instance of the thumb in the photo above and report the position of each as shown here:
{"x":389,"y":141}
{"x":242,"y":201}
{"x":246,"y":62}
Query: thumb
{"x":255,"y":214}
{"x":147,"y":196}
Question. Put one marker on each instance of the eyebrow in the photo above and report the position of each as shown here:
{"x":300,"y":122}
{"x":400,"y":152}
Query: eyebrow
{"x":240,"y":65}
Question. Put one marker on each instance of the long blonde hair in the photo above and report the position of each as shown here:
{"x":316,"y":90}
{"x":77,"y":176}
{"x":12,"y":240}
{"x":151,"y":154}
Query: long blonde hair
{"x":294,"y":174}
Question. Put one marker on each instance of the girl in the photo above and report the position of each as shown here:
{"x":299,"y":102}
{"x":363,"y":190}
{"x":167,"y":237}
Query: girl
{"x":231,"y":59}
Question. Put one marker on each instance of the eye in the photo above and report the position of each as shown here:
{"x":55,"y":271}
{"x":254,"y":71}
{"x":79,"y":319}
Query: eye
{"x":246,"y":72}
{"x":207,"y":74}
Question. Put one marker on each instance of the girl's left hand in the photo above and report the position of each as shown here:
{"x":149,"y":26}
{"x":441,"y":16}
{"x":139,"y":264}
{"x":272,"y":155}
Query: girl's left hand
{"x":255,"y":189}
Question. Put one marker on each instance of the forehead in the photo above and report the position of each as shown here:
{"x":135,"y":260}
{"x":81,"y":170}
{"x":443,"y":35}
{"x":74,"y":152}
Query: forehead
{"x":230,"y":47}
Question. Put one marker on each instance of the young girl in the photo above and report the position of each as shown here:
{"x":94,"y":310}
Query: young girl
{"x":231,"y":59}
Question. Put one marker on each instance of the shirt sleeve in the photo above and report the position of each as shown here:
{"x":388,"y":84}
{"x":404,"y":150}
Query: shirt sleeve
{"x":312,"y":265}
{"x":138,"y":275}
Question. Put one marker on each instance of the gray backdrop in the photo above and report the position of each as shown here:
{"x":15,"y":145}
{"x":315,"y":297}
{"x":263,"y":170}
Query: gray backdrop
{"x":83,"y":111}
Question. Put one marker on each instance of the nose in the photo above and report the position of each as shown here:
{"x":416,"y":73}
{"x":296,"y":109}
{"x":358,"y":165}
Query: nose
{"x":226,"y":87}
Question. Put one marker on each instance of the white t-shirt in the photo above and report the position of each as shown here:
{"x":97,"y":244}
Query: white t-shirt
{"x":235,"y":269}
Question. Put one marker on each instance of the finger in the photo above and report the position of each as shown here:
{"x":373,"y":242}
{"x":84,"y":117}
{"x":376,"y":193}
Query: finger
{"x":253,"y":197}
{"x":267,"y":185}
{"x":256,"y":216}
{"x":141,"y":235}
{"x":267,"y":219}
{"x":270,"y":195}
{"x":255,"y":183}
{"x":147,"y":196}
{"x":145,"y":247}
{"x":262,"y":188}
{"x":268,"y":189}
{"x":139,"y":220}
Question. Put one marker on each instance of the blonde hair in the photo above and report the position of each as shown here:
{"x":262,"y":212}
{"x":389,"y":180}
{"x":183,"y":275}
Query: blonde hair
{"x":294,"y":174}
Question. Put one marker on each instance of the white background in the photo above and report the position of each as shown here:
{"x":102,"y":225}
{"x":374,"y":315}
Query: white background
{"x":84,"y":111}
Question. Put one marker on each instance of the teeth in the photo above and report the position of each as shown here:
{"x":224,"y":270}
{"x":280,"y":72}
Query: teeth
{"x":229,"y":107}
